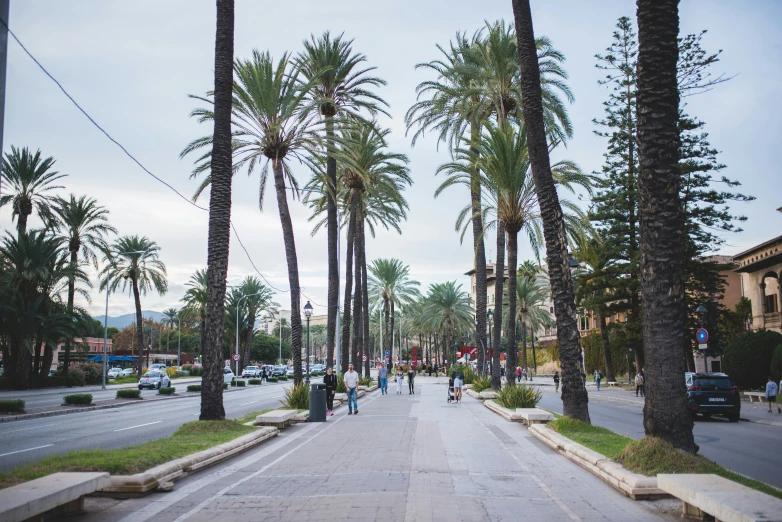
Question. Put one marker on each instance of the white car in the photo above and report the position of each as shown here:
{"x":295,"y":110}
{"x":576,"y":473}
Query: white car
{"x":289,"y":372}
{"x":161,"y":367}
{"x":228,"y":375}
{"x":127,"y":372}
{"x":113,"y":373}
{"x":251,"y":371}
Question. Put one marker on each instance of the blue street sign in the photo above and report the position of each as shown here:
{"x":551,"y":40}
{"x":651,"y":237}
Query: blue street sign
{"x":388,"y":353}
{"x":702,"y":335}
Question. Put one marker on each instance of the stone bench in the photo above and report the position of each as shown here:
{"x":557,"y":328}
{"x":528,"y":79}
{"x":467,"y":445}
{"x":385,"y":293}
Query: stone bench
{"x":613,"y":384}
{"x":755,"y":396}
{"x":276,"y":418}
{"x":721,"y":498}
{"x":534,"y":416}
{"x":488,"y":394}
{"x":62,"y":491}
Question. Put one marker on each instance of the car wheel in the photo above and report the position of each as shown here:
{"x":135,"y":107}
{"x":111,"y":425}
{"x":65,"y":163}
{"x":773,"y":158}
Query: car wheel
{"x":734,"y":417}
{"x":140,"y":388}
{"x":158,"y":384}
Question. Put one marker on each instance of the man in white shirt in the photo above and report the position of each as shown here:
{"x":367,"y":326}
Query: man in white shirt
{"x":771,"y":394}
{"x":351,"y":383}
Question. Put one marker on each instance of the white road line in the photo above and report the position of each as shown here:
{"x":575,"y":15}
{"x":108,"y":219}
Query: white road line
{"x":28,"y":449}
{"x":253,"y":402}
{"x":25,"y":429}
{"x":138,"y":426}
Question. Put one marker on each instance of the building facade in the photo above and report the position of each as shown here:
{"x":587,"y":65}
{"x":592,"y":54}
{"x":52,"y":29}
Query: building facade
{"x":760,"y":268}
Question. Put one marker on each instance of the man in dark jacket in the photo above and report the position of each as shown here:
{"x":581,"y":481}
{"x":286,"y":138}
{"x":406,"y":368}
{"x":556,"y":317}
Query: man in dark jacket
{"x":411,"y":380}
{"x":330,"y":380}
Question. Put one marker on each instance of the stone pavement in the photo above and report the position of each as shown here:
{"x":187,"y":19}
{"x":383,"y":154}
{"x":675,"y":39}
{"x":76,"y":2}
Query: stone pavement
{"x":404,"y":457}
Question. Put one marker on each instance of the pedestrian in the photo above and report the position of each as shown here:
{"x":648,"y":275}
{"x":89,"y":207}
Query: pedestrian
{"x":435,"y":370}
{"x":771,"y":394}
{"x":518,"y":373}
{"x":502,"y":371}
{"x":264,"y":375}
{"x":524,"y":373}
{"x":429,"y":369}
{"x":411,"y":381}
{"x":399,"y":378}
{"x":556,"y":381}
{"x":330,"y":380}
{"x":598,"y":378}
{"x":639,"y":384}
{"x":351,"y":383}
{"x":458,"y":382}
{"x":382,"y":378}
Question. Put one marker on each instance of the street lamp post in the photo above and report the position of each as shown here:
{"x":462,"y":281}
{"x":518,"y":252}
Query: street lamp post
{"x":179,"y":341}
{"x":702,"y":311}
{"x":308,"y":314}
{"x":490,"y":316}
{"x":629,"y":351}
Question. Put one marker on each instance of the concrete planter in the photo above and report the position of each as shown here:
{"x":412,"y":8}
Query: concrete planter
{"x":163,"y":476}
{"x":633,"y":485}
{"x":507,"y":413}
{"x":474,"y":394}
{"x":489,"y":394}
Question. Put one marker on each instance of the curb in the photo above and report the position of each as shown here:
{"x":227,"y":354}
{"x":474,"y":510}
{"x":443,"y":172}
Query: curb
{"x":506,"y":413}
{"x":474,"y":394}
{"x":163,"y":476}
{"x":634,"y":485}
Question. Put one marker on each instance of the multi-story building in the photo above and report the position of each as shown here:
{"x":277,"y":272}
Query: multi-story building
{"x":760,"y":268}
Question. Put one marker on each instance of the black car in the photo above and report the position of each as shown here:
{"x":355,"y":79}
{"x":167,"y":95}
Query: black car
{"x":714,"y":393}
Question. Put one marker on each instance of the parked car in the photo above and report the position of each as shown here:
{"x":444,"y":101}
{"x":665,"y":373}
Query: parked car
{"x":279,"y":370}
{"x":114,"y":372}
{"x":228,"y":375}
{"x":289,"y":371}
{"x":317,"y":368}
{"x":127,"y":372}
{"x":252,"y":371}
{"x":161,"y":367}
{"x":714,"y":394}
{"x":154,"y":379}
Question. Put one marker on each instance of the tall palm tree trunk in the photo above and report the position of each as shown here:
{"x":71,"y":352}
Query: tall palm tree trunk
{"x":332,"y":231}
{"x":391,"y":335}
{"x":499,"y":281}
{"x":510,"y":361}
{"x":524,"y":340}
{"x":610,"y":377}
{"x":202,"y":330}
{"x":574,"y":395}
{"x":480,"y":260}
{"x":386,"y":334}
{"x":71,"y":294}
{"x":661,"y":224}
{"x":345,"y":348}
{"x":534,"y":358}
{"x":21,"y":374}
{"x":358,"y":298}
{"x":219,"y":237}
{"x":293,"y":268}
{"x":139,"y":329}
{"x":365,"y":292}
{"x":46,"y":363}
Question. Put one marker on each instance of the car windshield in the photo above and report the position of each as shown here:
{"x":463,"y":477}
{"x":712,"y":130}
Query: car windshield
{"x":152,"y":374}
{"x":226,"y":370}
{"x":251,"y":368}
{"x":714,"y":384}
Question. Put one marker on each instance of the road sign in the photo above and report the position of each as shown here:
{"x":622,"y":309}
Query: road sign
{"x":702,"y":335}
{"x":388,"y":353}
{"x":702,"y":346}
{"x":236,"y":357}
{"x":386,"y":358}
{"x":364,"y":358}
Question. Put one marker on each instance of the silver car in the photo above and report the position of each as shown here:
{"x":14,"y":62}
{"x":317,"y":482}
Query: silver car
{"x":155,"y":380}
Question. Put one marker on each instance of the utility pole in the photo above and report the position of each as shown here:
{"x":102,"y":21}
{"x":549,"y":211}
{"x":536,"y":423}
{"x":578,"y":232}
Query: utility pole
{"x":4,"y":8}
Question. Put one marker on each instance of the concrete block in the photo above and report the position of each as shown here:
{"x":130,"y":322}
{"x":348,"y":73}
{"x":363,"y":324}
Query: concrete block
{"x":488,"y":394}
{"x":535,"y":415}
{"x":508,"y":414}
{"x":276,"y":418}
{"x":38,"y":496}
{"x":474,"y":394}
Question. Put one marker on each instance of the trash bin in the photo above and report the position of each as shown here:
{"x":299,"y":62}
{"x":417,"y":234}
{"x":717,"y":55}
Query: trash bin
{"x":317,"y":403}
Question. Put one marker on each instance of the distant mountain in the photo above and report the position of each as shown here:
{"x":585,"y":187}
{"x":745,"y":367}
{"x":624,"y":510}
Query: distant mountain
{"x":124,"y":320}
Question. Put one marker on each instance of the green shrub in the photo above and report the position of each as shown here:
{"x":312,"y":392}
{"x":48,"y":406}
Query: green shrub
{"x":466,"y":370}
{"x":75,"y":377}
{"x":12,"y":405}
{"x":78,"y":398}
{"x":225,"y":385}
{"x":166,"y":390}
{"x":365,"y":381}
{"x":125,"y":380}
{"x":776,"y":363}
{"x":518,"y":396}
{"x":255,"y":381}
{"x":128,"y":394}
{"x":341,"y":388}
{"x":273,"y":379}
{"x":297,"y":397}
{"x":194,"y":388}
{"x":92,"y":371}
{"x":481,"y":383}
{"x":283,"y":377}
{"x":241,"y":383}
{"x":748,"y":358}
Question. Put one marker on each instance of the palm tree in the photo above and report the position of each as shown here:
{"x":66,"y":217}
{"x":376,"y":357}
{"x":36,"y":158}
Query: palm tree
{"x":258,"y":298}
{"x":447,"y":309}
{"x":31,"y":180}
{"x":341,"y":90}
{"x":389,"y":286}
{"x":665,"y":411}
{"x":530,"y":297}
{"x":273,"y":124}
{"x":84,"y":225}
{"x":282,"y":328}
{"x":171,"y":315}
{"x":574,"y":394}
{"x":195,"y":300}
{"x":133,"y":263}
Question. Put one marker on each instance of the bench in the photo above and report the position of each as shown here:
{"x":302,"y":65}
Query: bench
{"x":613,"y":384}
{"x":721,"y":498}
{"x":756,"y":396}
{"x":65,"y":491}
{"x":534,"y":416}
{"x":276,"y":418}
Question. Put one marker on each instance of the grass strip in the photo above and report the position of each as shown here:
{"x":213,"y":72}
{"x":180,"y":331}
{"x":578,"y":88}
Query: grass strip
{"x":649,"y":456}
{"x":190,"y":438}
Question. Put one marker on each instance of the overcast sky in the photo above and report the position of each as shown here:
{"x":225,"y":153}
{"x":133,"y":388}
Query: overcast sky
{"x":132,"y":64}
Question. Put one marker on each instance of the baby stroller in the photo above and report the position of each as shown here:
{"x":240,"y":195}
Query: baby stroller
{"x":450,"y":390}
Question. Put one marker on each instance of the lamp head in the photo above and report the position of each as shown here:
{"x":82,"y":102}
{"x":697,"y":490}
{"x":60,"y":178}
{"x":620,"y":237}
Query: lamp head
{"x":308,"y":309}
{"x":701,"y":310}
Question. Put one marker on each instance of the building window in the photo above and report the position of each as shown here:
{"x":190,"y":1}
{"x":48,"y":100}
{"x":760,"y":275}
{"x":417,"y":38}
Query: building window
{"x":551,"y":309}
{"x":771,"y":304}
{"x":584,"y":322}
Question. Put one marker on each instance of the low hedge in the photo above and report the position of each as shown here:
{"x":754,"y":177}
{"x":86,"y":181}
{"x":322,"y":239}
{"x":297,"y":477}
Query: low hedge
{"x":12,"y":405}
{"x":273,"y":379}
{"x":128,"y":394}
{"x":225,"y":385}
{"x":283,"y":377}
{"x":78,"y":398}
{"x":194,"y":388}
{"x":241,"y":383}
{"x":255,"y":381}
{"x":166,"y":390}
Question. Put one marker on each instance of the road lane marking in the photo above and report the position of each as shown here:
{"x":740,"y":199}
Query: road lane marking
{"x":139,"y":426}
{"x":253,"y":402}
{"x":28,"y":449}
{"x":25,"y":429}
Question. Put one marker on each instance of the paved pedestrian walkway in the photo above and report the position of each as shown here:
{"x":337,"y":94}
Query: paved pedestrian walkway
{"x":403,"y":457}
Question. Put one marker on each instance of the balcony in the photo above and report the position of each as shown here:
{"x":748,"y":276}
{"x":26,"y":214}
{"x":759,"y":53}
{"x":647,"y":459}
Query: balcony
{"x":773,"y":321}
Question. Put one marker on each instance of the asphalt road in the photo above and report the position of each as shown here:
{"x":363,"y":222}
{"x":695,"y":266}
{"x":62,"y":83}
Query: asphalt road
{"x":31,"y":440}
{"x":754,"y":450}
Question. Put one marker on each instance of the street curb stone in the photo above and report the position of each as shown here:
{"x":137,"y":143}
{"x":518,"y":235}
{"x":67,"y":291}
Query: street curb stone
{"x":634,"y":485}
{"x":506,"y":413}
